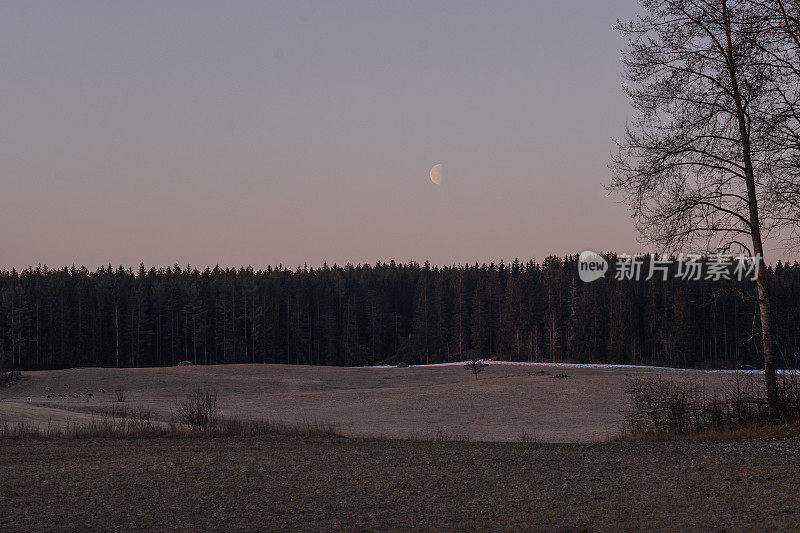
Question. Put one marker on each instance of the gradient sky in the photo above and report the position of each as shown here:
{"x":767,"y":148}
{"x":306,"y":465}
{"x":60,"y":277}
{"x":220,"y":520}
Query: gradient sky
{"x":294,"y":132}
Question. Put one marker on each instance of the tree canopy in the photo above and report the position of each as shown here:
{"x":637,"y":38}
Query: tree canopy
{"x":384,"y":313}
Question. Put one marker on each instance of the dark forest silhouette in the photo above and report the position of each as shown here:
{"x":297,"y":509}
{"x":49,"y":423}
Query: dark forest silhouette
{"x":386,"y":313}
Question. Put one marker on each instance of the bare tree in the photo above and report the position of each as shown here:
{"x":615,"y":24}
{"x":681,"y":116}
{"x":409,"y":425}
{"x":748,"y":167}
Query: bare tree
{"x":704,"y":163}
{"x":475,"y":365}
{"x":776,"y":35}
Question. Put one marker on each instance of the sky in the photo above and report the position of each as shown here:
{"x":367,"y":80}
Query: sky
{"x":297,"y":132}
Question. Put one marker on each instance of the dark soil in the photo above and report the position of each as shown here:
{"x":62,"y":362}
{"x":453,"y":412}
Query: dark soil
{"x":267,"y":483}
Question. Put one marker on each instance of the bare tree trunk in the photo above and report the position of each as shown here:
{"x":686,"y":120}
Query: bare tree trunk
{"x":194,"y":339}
{"x":770,"y":381}
{"x":116,"y":328}
{"x":288,"y":330}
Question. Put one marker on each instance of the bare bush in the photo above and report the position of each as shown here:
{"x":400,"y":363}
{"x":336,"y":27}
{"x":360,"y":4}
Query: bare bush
{"x":199,"y":412}
{"x":666,"y":407}
{"x":119,"y":393}
{"x":9,"y":377}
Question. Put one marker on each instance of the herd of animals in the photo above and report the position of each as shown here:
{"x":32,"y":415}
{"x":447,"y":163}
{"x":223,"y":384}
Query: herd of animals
{"x":89,"y":393}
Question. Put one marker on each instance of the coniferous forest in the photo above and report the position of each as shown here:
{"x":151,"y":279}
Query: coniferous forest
{"x":384,"y":314}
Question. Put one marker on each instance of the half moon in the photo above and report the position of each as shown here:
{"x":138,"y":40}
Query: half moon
{"x":436,"y":174}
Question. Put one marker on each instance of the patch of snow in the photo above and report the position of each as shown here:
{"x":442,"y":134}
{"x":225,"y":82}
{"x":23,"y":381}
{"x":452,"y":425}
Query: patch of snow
{"x":599,"y":366}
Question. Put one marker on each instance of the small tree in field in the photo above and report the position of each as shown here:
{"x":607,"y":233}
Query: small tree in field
{"x":476,"y":366}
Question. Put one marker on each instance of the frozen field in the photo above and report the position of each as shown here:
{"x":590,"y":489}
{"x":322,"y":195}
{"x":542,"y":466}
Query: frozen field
{"x":436,"y":401}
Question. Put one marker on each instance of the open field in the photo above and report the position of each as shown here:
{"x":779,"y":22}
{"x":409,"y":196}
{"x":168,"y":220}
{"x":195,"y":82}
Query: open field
{"x":351,"y":482}
{"x":418,"y":402}
{"x":270,"y":483}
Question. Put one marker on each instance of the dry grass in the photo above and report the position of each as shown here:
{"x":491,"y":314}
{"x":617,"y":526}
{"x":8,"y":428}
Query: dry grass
{"x":391,"y":402}
{"x":198,"y":416}
{"x":137,"y":426}
{"x":234,"y":427}
{"x":117,"y":423}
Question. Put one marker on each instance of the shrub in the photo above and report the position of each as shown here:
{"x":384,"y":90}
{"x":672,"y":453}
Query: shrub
{"x":199,"y":412}
{"x":9,"y":377}
{"x":663,"y":407}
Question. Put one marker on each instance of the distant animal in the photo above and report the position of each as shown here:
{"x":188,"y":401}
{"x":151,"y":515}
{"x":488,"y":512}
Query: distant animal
{"x":86,"y":389}
{"x":82,"y":395}
{"x":48,"y":388}
{"x":66,"y":386}
{"x":29,"y":400}
{"x":75,"y":395}
{"x":101,"y":390}
{"x":91,"y":395}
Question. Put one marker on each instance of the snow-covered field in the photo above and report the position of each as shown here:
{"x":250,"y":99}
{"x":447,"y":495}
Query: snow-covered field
{"x":600,"y":366}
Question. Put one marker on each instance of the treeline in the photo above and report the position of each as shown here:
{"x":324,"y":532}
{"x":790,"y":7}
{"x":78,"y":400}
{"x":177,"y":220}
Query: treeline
{"x":386,"y":313}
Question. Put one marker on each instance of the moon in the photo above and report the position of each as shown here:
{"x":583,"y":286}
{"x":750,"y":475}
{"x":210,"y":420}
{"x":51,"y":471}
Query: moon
{"x":436,"y":174}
